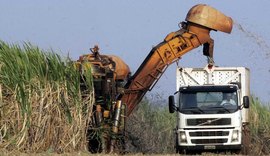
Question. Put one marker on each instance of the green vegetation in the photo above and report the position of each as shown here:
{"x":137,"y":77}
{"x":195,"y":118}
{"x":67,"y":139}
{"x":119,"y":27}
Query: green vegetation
{"x":41,"y":105}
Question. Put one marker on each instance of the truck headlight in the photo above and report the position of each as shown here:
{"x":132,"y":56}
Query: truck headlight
{"x":183,"y":137}
{"x":235,"y":135}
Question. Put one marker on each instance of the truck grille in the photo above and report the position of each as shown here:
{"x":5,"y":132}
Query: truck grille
{"x":208,"y":141}
{"x":209,"y":133}
{"x":208,"y":121}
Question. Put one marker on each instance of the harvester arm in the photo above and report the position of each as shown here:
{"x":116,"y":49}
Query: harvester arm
{"x":201,"y":19}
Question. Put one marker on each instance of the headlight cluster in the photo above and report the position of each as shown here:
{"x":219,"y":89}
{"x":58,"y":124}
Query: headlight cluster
{"x":182,"y":137}
{"x":235,"y":136}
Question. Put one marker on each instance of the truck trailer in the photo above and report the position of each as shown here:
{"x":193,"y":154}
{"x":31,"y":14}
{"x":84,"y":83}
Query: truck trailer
{"x":212,"y":106}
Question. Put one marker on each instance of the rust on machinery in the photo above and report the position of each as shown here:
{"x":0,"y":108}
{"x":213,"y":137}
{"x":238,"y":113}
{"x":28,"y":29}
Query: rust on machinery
{"x":200,"y":20}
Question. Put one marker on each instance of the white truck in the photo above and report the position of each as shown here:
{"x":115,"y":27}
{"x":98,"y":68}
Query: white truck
{"x":206,"y":118}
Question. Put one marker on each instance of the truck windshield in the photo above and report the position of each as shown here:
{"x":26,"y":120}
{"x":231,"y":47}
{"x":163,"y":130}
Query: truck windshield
{"x":208,"y":102}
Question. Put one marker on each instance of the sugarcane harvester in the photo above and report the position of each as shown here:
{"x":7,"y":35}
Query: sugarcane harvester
{"x":117,"y":93}
{"x":109,"y":75}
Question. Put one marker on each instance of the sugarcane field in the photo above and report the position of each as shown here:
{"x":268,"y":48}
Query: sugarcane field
{"x":134,"y":78}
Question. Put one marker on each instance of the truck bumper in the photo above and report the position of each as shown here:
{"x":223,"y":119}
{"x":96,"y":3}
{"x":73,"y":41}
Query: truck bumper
{"x":211,"y":147}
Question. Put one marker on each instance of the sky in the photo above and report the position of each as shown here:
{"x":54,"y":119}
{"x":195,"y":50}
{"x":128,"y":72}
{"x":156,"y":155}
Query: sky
{"x":130,"y":28}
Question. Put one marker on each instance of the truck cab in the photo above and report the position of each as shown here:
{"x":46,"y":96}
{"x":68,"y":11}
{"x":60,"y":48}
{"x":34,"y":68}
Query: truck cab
{"x":211,"y":107}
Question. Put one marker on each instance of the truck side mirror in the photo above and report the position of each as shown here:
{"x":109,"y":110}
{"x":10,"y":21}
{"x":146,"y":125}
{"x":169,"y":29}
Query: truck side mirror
{"x":171,"y":104}
{"x":246,"y":101}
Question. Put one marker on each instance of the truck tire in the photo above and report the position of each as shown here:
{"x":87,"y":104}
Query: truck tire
{"x":178,"y":150}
